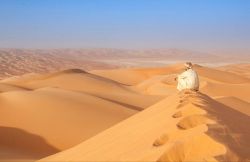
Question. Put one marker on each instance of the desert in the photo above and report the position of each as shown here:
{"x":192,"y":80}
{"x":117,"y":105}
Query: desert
{"x":125,"y":114}
{"x":124,"y":81}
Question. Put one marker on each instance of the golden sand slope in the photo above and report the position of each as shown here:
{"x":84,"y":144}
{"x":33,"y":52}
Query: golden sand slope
{"x":159,"y":81}
{"x":156,"y":135}
{"x":235,"y":103}
{"x":63,"y":110}
{"x":221,"y":76}
{"x":61,"y":118}
{"x":81,"y":81}
{"x":239,"y":69}
{"x":212,"y":82}
{"x":133,"y":76}
{"x":60,"y":110}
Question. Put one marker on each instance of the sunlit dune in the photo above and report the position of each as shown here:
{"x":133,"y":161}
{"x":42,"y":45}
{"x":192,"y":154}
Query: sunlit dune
{"x":239,"y":69}
{"x":124,"y":81}
{"x":200,"y":142}
{"x":235,"y":103}
{"x":127,"y":114}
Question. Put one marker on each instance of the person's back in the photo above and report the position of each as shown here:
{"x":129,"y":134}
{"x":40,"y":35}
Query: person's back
{"x":188,"y":79}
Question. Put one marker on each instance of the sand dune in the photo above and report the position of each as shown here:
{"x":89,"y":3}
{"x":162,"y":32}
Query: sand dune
{"x":158,"y":85}
{"x":145,"y":78}
{"x":81,"y":81}
{"x":50,"y":112}
{"x":8,"y":87}
{"x":140,"y":131}
{"x":15,"y":62}
{"x":239,"y":69}
{"x":221,"y":76}
{"x":235,"y":103}
{"x":133,"y":76}
{"x":14,"y":145}
{"x":72,"y":101}
{"x":133,"y":114}
{"x":160,"y":81}
{"x":236,"y":90}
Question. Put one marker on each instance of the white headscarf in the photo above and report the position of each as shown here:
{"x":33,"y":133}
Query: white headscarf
{"x":188,"y":65}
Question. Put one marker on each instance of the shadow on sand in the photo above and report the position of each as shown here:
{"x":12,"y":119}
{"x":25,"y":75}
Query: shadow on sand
{"x":18,"y":144}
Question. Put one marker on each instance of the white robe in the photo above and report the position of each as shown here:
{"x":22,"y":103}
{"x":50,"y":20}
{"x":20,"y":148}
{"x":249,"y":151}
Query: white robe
{"x":188,"y":80}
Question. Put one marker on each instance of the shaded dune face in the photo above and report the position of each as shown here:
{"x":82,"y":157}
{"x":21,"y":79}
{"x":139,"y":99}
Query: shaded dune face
{"x":4,"y":87}
{"x":199,"y":146}
{"x":66,"y":110}
{"x":235,"y":103}
{"x":239,"y":69}
{"x":25,"y":144}
{"x":233,"y":130}
{"x":193,"y":149}
{"x":226,"y":126}
{"x":222,"y":76}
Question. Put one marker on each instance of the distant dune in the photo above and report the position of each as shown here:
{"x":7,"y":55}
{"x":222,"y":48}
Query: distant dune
{"x":239,"y":69}
{"x":126,"y":114}
{"x":15,"y":62}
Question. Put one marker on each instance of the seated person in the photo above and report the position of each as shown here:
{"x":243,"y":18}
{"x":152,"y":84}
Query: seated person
{"x":188,"y":79}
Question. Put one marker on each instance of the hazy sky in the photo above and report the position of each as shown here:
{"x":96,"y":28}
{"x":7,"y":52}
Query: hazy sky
{"x":125,"y":23}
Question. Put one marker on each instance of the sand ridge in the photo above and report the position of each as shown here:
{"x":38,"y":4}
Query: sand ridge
{"x":165,"y":140}
{"x":199,"y":146}
{"x":44,"y":106}
{"x":133,"y":114}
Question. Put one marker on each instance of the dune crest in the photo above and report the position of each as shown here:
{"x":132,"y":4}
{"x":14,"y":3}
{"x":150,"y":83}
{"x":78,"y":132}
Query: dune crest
{"x":131,"y":114}
{"x":199,"y":148}
{"x":74,"y":100}
{"x":164,"y":141}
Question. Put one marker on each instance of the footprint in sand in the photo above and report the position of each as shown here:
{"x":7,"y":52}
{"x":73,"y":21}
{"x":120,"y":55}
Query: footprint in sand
{"x":189,"y":110}
{"x":191,"y":149}
{"x":180,"y":106}
{"x":192,"y":100}
{"x":195,"y":102}
{"x":193,"y":121}
{"x":177,"y":114}
{"x":161,"y":140}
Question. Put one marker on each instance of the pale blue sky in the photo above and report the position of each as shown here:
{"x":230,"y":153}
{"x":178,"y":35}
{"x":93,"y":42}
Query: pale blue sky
{"x":192,"y":24}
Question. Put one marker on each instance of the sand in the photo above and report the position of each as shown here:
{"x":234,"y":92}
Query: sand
{"x":239,"y":69}
{"x":191,"y":137}
{"x":132,"y":114}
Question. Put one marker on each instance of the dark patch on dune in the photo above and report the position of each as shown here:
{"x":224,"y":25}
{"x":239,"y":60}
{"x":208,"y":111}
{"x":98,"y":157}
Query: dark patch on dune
{"x":232,"y":129}
{"x":23,"y":142}
{"x":73,"y":71}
